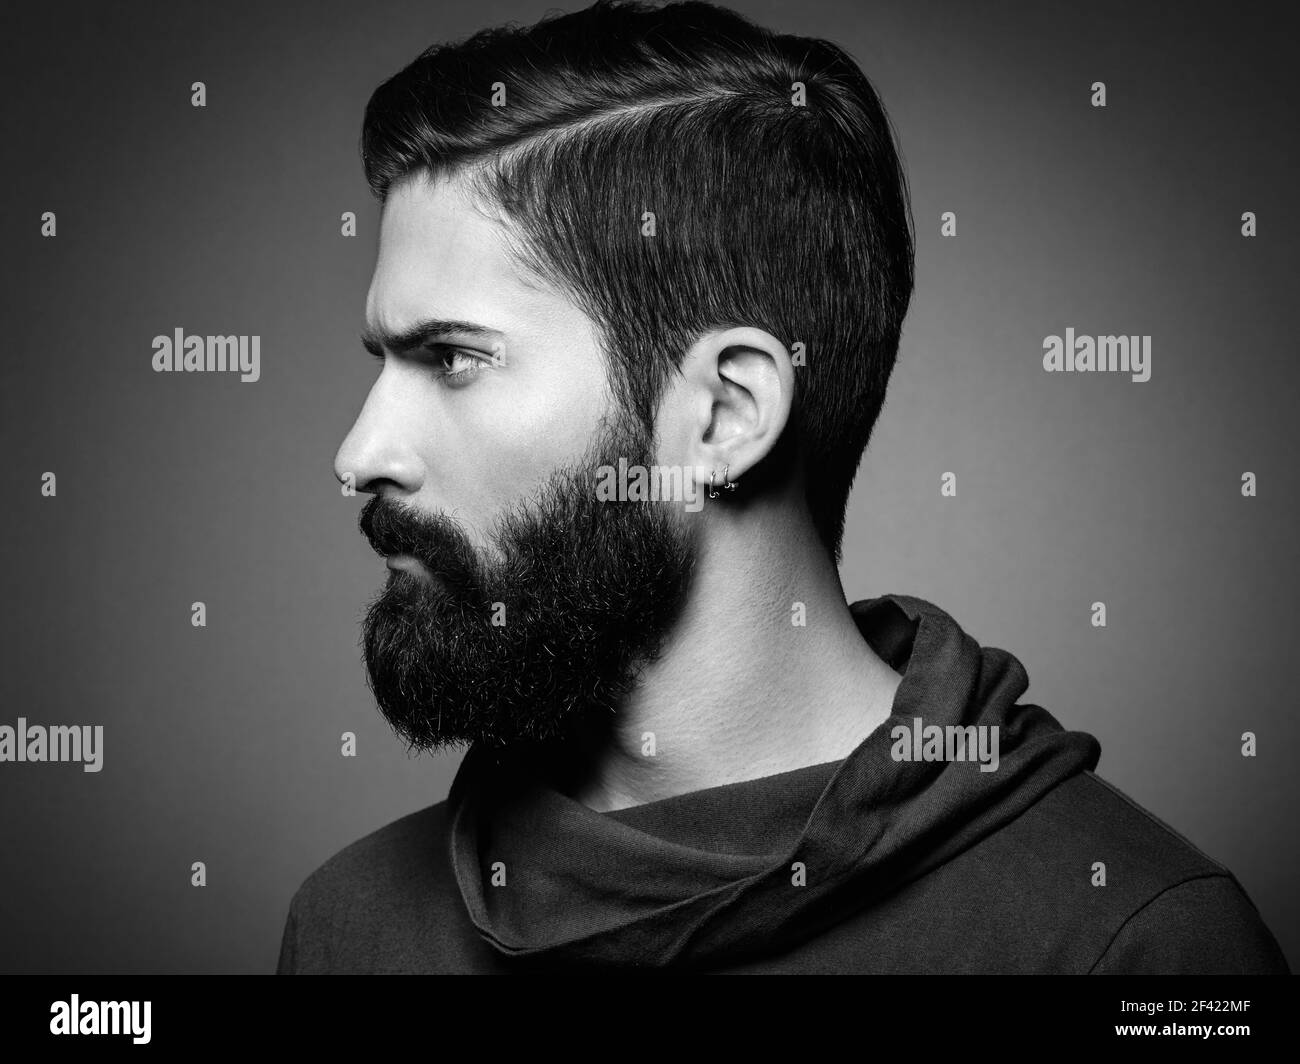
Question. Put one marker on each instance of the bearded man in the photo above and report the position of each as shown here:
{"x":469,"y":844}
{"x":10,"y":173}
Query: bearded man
{"x":636,"y":237}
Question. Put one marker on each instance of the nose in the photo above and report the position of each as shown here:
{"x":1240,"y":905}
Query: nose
{"x":381,"y":449}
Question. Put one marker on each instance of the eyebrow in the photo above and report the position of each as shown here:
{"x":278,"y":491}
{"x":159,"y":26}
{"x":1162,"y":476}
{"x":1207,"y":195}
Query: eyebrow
{"x":377,"y":340}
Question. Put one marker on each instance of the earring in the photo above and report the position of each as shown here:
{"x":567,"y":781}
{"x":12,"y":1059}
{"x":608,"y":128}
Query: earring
{"x":727,"y":485}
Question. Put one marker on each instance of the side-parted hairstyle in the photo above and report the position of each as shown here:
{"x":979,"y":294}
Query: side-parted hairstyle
{"x":767,"y":162}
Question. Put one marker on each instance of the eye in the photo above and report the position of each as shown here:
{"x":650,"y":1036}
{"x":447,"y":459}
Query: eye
{"x":456,"y":361}
{"x":455,"y":364}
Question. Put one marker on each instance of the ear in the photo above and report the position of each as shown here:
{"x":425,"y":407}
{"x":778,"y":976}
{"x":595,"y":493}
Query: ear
{"x":731,"y":402}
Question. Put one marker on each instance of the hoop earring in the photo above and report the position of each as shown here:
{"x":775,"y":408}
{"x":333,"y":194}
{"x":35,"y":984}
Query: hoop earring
{"x":727,"y":485}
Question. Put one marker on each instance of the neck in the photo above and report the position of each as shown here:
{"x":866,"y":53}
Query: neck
{"x":741,"y":690}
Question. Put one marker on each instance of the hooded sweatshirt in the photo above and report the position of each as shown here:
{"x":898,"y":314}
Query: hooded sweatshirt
{"x":967,"y":833}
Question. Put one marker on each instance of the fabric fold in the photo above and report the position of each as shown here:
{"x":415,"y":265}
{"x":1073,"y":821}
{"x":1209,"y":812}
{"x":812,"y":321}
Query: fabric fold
{"x":727,"y":873}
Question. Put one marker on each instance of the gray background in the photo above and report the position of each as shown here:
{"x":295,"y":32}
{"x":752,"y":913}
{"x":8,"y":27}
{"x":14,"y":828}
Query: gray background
{"x":222,"y":744}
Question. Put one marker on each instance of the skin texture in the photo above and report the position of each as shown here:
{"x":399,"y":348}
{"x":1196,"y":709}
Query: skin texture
{"x":737,"y":692}
{"x":470,"y":448}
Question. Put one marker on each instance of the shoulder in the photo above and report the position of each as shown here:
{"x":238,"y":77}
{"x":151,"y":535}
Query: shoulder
{"x":390,"y":857}
{"x":1151,"y":900}
{"x":376,"y":882}
{"x":1198,"y":926}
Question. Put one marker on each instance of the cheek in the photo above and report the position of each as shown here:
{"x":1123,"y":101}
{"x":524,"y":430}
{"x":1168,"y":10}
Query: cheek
{"x":545,"y":431}
{"x":507,"y":448}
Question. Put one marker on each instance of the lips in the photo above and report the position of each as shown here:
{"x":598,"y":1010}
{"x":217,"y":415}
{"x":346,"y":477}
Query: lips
{"x":406,"y":563}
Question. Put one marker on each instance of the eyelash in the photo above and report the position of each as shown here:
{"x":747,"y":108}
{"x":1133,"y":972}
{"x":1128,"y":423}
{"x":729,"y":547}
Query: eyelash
{"x":441,"y":355}
{"x":436,"y":355}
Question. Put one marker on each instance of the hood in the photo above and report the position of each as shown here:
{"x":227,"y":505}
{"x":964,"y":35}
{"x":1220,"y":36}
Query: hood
{"x":701,"y":879}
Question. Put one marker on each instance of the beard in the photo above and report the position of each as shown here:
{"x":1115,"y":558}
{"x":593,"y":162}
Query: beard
{"x":541,"y":637}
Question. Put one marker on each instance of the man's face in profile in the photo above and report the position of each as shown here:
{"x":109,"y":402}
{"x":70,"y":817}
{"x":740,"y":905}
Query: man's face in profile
{"x":517,"y":605}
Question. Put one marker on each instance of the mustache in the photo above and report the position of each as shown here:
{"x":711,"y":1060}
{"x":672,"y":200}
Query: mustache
{"x":434,"y":539}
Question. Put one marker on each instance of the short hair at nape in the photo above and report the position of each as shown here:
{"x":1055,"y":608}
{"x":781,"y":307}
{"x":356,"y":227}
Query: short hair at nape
{"x":788,"y":214}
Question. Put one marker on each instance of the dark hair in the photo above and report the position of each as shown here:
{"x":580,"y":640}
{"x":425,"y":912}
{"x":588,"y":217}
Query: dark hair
{"x":794,"y":219}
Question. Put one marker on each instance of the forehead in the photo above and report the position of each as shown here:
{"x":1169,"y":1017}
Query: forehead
{"x":440,"y":255}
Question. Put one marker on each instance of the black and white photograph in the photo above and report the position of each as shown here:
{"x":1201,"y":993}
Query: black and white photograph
{"x":651,"y":489}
